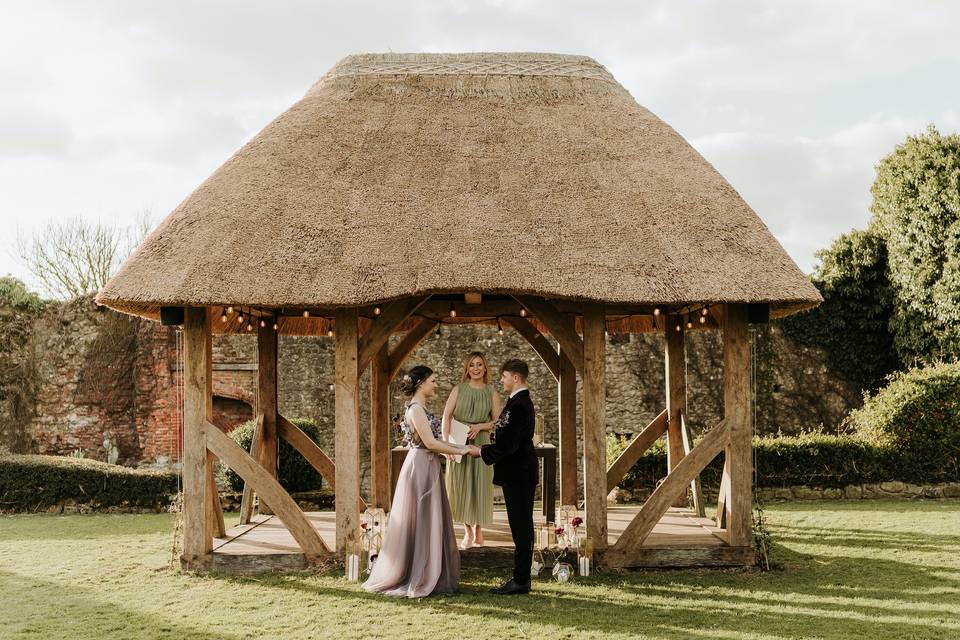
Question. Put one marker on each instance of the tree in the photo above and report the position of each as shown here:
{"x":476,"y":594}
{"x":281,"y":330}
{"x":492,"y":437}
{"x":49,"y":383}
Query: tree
{"x":916,"y":207}
{"x":851,"y":325}
{"x":74,"y":258}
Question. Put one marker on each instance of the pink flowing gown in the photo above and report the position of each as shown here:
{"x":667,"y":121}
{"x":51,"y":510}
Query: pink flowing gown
{"x":419,"y":555}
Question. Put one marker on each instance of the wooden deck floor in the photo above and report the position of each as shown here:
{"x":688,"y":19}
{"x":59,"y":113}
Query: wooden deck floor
{"x":266,"y":543}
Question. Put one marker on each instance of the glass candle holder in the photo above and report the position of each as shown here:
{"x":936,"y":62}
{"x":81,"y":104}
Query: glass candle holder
{"x":561,"y":571}
{"x":565,"y":515}
{"x":352,"y":561}
{"x":585,"y":557}
{"x":537,"y":564}
{"x":538,"y":430}
{"x":546,"y":538}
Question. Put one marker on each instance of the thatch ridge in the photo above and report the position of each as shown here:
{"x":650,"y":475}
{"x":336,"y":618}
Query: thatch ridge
{"x":407,"y":174}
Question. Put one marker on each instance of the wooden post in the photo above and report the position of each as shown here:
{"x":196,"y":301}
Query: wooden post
{"x":676,"y":395}
{"x":197,"y":538}
{"x":215,"y":524}
{"x":380,"y":428}
{"x":595,"y":424}
{"x":267,"y":404}
{"x":347,"y":448}
{"x":738,"y":458}
{"x":567,"y":428}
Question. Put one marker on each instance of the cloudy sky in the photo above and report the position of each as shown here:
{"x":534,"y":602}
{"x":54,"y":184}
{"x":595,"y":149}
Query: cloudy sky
{"x":112,"y":109}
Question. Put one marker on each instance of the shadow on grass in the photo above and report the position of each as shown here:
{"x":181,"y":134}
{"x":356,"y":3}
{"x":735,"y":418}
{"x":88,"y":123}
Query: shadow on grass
{"x":47,"y":609}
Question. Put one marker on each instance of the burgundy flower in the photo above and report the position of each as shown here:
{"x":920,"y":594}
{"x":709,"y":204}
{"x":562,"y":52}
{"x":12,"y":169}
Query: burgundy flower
{"x":576,"y":522}
{"x":558,"y":531}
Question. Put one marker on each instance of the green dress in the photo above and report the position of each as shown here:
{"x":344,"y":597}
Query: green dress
{"x":470,"y":481}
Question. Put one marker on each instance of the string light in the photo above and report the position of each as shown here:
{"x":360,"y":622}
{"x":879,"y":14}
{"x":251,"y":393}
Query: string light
{"x":703,"y":311}
{"x":438,"y":331}
{"x":678,"y":327}
{"x":376,"y":311}
{"x":240,"y":316}
{"x":656,"y":311}
{"x":263,"y":323}
{"x":703,"y":319}
{"x":223,"y":316}
{"x":689,"y":322}
{"x":453,"y":312}
{"x":249,"y":326}
{"x":330,"y":332}
{"x":230,"y":309}
{"x":499,"y":327}
{"x":523,"y":312}
{"x":306,"y":314}
{"x":275,"y":327}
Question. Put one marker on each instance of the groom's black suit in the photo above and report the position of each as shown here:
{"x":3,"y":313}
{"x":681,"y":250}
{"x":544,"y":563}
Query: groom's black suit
{"x":516,"y":470}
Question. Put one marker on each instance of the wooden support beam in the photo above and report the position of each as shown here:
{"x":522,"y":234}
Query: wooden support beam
{"x":347,"y":449}
{"x":594,"y":423}
{"x":737,"y":396}
{"x":380,"y":428}
{"x":539,"y":343}
{"x":246,"y":500}
{"x":661,"y":498}
{"x":567,"y":416}
{"x":408,"y":343}
{"x":215,"y":525}
{"x":695,"y":491}
{"x":267,"y":401}
{"x":312,"y":453}
{"x":640,"y":443}
{"x":379,"y":332}
{"x":560,"y":328}
{"x":270,"y":491}
{"x":197,"y":537}
{"x":676,"y":377}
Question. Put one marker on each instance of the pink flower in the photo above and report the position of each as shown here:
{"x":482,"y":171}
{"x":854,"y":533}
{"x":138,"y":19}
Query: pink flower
{"x":364,"y":525}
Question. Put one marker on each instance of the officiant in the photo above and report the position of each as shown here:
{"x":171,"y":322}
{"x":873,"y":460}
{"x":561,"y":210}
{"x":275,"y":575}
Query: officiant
{"x":474,"y":403}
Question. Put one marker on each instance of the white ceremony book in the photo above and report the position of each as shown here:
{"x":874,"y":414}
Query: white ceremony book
{"x":458,"y":434}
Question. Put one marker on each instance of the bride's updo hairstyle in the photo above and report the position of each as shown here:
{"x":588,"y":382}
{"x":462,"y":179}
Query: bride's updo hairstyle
{"x":413,"y":378}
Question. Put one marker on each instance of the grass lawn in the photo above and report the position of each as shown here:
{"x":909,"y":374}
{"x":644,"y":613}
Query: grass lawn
{"x":862,"y":569}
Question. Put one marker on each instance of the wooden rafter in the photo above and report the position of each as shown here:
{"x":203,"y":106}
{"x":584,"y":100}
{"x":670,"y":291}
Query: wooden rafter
{"x":408,"y":343}
{"x":388,"y":322}
{"x":561,"y":328}
{"x":640,"y":443}
{"x":539,"y":343}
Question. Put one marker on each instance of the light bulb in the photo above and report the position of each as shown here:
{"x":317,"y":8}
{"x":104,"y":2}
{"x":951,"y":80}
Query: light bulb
{"x":329,"y":333}
{"x":703,"y":311}
{"x":689,"y":325}
{"x":376,"y":311}
{"x":453,"y":312}
{"x":223,"y":317}
{"x":275,"y":327}
{"x":703,"y":319}
{"x":656,"y":311}
{"x":523,"y":312}
{"x":678,"y":328}
{"x":306,"y":314}
{"x":230,"y":309}
{"x":249,"y":326}
{"x":263,"y":323}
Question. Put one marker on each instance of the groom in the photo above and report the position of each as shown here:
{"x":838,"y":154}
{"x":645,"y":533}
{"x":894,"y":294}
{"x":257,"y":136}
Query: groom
{"x":515,"y":469}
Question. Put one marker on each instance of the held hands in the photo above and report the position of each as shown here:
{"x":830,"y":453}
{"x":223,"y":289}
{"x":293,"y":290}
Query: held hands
{"x":473,"y":451}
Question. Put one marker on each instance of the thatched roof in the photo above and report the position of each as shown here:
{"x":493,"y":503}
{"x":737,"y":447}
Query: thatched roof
{"x":402,"y":174}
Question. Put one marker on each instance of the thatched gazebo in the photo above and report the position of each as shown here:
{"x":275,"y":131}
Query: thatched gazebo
{"x":521,"y":189}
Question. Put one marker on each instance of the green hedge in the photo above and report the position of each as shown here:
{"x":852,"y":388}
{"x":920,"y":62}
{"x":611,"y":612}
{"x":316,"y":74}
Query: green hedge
{"x":917,"y":415}
{"x":293,"y":471}
{"x":32,"y":482}
{"x":811,"y":459}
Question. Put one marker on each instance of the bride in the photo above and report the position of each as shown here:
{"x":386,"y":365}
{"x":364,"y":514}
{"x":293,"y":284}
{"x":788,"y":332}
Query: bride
{"x":419,"y":555}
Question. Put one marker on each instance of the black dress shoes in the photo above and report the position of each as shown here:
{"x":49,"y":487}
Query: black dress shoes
{"x":511,"y":588}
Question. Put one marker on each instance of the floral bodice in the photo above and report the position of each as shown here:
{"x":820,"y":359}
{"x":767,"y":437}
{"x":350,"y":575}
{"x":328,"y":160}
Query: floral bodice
{"x":409,"y":432}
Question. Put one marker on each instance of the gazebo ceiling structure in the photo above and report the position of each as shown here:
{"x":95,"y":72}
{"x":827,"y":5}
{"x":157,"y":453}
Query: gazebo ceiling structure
{"x":527,"y":190}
